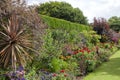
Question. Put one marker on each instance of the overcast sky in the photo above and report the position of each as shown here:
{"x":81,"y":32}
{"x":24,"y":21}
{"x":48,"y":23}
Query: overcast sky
{"x":91,"y":8}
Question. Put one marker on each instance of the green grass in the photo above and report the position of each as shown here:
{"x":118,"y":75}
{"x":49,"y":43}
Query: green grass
{"x":107,"y":71}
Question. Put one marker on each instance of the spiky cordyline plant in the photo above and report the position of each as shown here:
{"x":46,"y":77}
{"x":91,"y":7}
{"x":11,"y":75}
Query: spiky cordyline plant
{"x":13,"y":44}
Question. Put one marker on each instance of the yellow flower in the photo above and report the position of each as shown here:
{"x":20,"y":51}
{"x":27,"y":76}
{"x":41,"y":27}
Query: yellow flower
{"x":68,"y":57}
{"x":62,"y":57}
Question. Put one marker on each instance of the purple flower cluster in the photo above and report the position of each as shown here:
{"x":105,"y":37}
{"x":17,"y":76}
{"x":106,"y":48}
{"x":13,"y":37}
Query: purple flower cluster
{"x":17,"y":75}
{"x":115,"y":39}
{"x":45,"y":75}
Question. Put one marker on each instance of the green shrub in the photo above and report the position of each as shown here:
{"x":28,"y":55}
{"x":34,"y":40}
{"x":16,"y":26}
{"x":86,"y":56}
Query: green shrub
{"x":91,"y":65}
{"x":62,"y":10}
{"x":55,"y":23}
{"x":2,"y":78}
{"x":32,"y":74}
{"x":58,"y":64}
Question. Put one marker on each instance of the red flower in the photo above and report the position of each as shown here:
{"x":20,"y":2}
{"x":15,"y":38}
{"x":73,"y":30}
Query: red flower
{"x":62,"y":71}
{"x":81,"y":50}
{"x":65,"y":75}
{"x":75,"y":52}
{"x":85,"y":48}
{"x":88,"y":51}
{"x":54,"y":75}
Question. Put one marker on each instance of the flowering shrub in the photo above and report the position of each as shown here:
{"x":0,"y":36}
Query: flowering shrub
{"x":62,"y":75}
{"x":16,"y":75}
{"x":62,"y":52}
{"x":86,"y":59}
{"x":115,"y":39}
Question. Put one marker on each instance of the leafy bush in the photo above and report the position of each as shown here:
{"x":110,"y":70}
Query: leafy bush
{"x":90,"y":38}
{"x":32,"y":74}
{"x":114,"y":22}
{"x":101,"y":26}
{"x":58,"y":64}
{"x":62,"y":10}
{"x":50,"y":49}
{"x":86,"y":60}
{"x":55,"y":23}
{"x":104,"y":54}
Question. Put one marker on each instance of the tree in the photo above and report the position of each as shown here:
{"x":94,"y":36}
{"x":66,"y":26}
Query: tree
{"x":114,"y":23}
{"x":62,"y":10}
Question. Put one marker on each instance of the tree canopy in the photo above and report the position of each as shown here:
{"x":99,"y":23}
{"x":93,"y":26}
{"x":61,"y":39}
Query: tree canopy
{"x":115,"y":23}
{"x":62,"y":10}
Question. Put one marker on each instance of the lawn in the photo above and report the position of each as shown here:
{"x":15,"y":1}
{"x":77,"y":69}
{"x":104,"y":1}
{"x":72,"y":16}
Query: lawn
{"x":107,"y":71}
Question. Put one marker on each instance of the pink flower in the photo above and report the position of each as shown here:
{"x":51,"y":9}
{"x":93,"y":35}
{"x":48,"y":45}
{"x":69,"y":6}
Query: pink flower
{"x":54,"y":74}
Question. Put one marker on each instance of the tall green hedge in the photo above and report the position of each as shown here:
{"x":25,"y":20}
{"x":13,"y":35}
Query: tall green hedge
{"x":55,"y":23}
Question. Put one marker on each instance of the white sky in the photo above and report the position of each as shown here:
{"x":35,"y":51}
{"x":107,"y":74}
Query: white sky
{"x":91,"y":8}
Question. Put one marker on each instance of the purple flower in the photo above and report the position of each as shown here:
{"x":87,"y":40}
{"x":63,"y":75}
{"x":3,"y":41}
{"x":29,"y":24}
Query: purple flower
{"x":115,"y":39}
{"x":20,"y":68}
{"x":21,"y":79}
{"x":13,"y":74}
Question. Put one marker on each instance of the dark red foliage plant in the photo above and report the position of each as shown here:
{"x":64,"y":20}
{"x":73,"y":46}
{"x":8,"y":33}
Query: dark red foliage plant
{"x":100,"y":25}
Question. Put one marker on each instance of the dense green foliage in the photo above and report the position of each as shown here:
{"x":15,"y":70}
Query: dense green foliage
{"x":62,"y":10}
{"x":72,"y":47}
{"x":115,"y":23}
{"x":55,"y":23}
{"x":65,"y":49}
{"x":107,"y":71}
